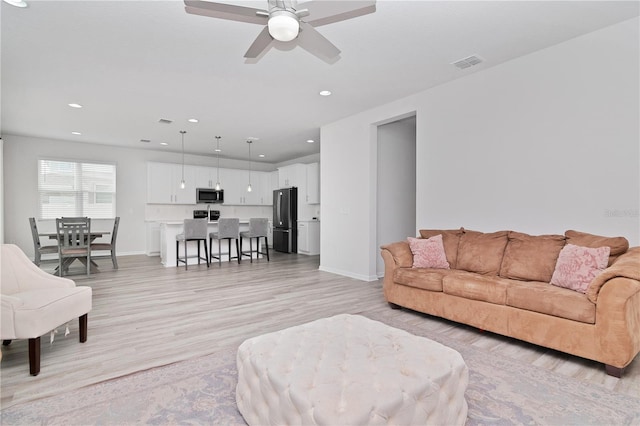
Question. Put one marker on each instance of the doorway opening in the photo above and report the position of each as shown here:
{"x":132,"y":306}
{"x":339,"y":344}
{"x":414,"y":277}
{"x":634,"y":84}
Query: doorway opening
{"x":396,"y":183}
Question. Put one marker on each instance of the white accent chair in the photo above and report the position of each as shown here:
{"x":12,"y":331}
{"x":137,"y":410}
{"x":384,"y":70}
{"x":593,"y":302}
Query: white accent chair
{"x":35,"y":302}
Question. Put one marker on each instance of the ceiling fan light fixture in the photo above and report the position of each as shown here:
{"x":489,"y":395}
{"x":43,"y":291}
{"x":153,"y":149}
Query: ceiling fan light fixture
{"x":16,"y":3}
{"x":283,"y":26}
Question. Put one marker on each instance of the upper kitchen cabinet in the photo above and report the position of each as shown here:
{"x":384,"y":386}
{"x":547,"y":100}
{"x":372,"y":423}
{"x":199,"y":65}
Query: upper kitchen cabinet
{"x":313,"y":183}
{"x":163,"y":184}
{"x":292,"y":175}
{"x":206,"y":177}
{"x":235,"y":182}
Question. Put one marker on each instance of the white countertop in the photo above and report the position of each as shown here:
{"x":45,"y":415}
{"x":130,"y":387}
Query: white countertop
{"x":180,"y":222}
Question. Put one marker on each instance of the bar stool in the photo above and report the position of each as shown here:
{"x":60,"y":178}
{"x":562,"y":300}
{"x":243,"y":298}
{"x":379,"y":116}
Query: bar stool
{"x":194,"y":230}
{"x":258,"y":228}
{"x":228,"y":229}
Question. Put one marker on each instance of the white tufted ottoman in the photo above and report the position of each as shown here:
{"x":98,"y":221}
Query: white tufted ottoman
{"x":349,"y":370}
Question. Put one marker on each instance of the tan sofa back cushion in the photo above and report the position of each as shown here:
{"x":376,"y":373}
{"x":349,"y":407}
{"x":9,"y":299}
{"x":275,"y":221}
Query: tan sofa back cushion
{"x":481,"y":253}
{"x":531,"y":258}
{"x":618,"y":245}
{"x":450,"y":240}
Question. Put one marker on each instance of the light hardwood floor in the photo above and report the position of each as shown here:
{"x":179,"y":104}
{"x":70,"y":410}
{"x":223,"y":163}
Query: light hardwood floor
{"x":145,"y":315}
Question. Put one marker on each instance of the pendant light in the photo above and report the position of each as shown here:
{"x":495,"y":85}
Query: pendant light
{"x":218,"y":155}
{"x":249,"y":186}
{"x":182,"y":132}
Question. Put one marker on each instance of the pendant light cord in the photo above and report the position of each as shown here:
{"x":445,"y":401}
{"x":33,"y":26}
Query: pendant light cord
{"x":182,"y":132}
{"x":218,"y":157}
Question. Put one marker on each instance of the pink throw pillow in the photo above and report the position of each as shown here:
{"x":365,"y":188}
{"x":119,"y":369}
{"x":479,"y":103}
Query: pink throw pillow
{"x":578,"y":266}
{"x":428,"y":253}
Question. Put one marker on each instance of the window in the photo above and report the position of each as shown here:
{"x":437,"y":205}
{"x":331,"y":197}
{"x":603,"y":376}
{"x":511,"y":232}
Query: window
{"x":69,"y":188}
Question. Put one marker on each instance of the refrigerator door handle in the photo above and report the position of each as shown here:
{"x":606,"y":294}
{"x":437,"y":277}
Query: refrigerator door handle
{"x":279,"y":209}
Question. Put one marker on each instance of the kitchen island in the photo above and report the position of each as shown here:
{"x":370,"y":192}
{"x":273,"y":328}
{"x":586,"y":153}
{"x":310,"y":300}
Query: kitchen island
{"x":169,"y":230}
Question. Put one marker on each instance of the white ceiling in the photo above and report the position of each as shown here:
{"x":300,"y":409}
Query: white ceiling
{"x":131,"y":63}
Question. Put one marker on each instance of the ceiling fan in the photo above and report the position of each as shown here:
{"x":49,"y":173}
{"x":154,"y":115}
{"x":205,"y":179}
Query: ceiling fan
{"x":287,"y":22}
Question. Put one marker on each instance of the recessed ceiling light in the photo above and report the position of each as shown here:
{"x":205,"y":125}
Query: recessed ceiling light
{"x":325,"y":92}
{"x":75,"y":105}
{"x":76,"y":133}
{"x":217,"y":150}
{"x":310,"y":141}
{"x":16,"y":3}
{"x":164,"y":143}
{"x":192,"y":120}
{"x":261,"y":155}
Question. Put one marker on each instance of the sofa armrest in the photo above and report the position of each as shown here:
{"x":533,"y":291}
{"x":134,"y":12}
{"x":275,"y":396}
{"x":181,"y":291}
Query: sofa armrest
{"x":8,"y":305}
{"x":400,"y":253}
{"x":618,"y":319}
{"x":625,"y":266}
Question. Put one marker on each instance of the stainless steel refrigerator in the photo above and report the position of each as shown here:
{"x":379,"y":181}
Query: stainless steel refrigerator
{"x":285,"y":220}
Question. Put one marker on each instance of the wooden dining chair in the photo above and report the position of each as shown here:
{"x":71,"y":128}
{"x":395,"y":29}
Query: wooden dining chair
{"x":73,"y":242}
{"x":38,"y":248}
{"x":111,"y":247}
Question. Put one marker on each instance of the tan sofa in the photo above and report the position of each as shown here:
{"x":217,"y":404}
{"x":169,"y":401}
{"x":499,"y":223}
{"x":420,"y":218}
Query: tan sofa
{"x":500,"y":282}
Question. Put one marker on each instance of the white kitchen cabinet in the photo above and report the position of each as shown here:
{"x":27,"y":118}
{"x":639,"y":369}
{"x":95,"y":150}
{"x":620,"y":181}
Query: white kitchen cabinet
{"x":265,"y":187}
{"x":153,"y":239}
{"x":309,"y":237}
{"x":313,"y":183}
{"x":163,"y":184}
{"x":292,"y":175}
{"x":235,"y":182}
{"x":206,"y":177}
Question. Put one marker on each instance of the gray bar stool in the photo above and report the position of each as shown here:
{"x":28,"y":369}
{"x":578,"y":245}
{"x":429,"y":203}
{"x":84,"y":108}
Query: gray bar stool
{"x":228,"y":229}
{"x":258,"y":228}
{"x":194,"y":230}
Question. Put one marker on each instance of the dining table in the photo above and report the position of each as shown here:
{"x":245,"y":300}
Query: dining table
{"x":93,"y":235}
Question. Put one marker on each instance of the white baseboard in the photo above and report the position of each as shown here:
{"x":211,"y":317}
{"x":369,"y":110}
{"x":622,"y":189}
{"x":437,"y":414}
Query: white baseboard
{"x":349,"y":274}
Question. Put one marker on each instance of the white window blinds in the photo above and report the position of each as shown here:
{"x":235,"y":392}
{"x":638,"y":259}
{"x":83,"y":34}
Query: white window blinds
{"x":69,"y":188}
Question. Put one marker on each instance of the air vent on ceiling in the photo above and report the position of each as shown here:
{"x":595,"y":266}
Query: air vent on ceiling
{"x":165,"y":121}
{"x":468,"y":62}
{"x":145,"y":140}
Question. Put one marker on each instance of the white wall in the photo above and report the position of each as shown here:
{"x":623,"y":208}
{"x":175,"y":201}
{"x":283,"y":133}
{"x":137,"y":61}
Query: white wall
{"x":1,"y":191}
{"x":541,"y":144}
{"x":20,"y":171}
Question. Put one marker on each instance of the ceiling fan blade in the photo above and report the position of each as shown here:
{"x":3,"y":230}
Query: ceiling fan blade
{"x":226,"y":11}
{"x":315,"y":43}
{"x":260,"y":44}
{"x":327,"y":12}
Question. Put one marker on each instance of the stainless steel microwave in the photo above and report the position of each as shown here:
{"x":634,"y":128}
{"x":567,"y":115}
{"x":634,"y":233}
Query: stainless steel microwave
{"x":209,"y":196}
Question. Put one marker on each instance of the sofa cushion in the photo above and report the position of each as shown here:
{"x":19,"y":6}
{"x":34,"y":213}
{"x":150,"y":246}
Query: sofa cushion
{"x":428,"y":252}
{"x":480,"y":252}
{"x":618,"y":245}
{"x":450,"y":240}
{"x":423,"y":278}
{"x":551,"y":300}
{"x":577,"y":266}
{"x":476,"y":287}
{"x":531,"y":258}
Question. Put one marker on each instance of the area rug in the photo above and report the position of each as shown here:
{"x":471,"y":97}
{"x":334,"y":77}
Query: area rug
{"x":200,"y":391}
